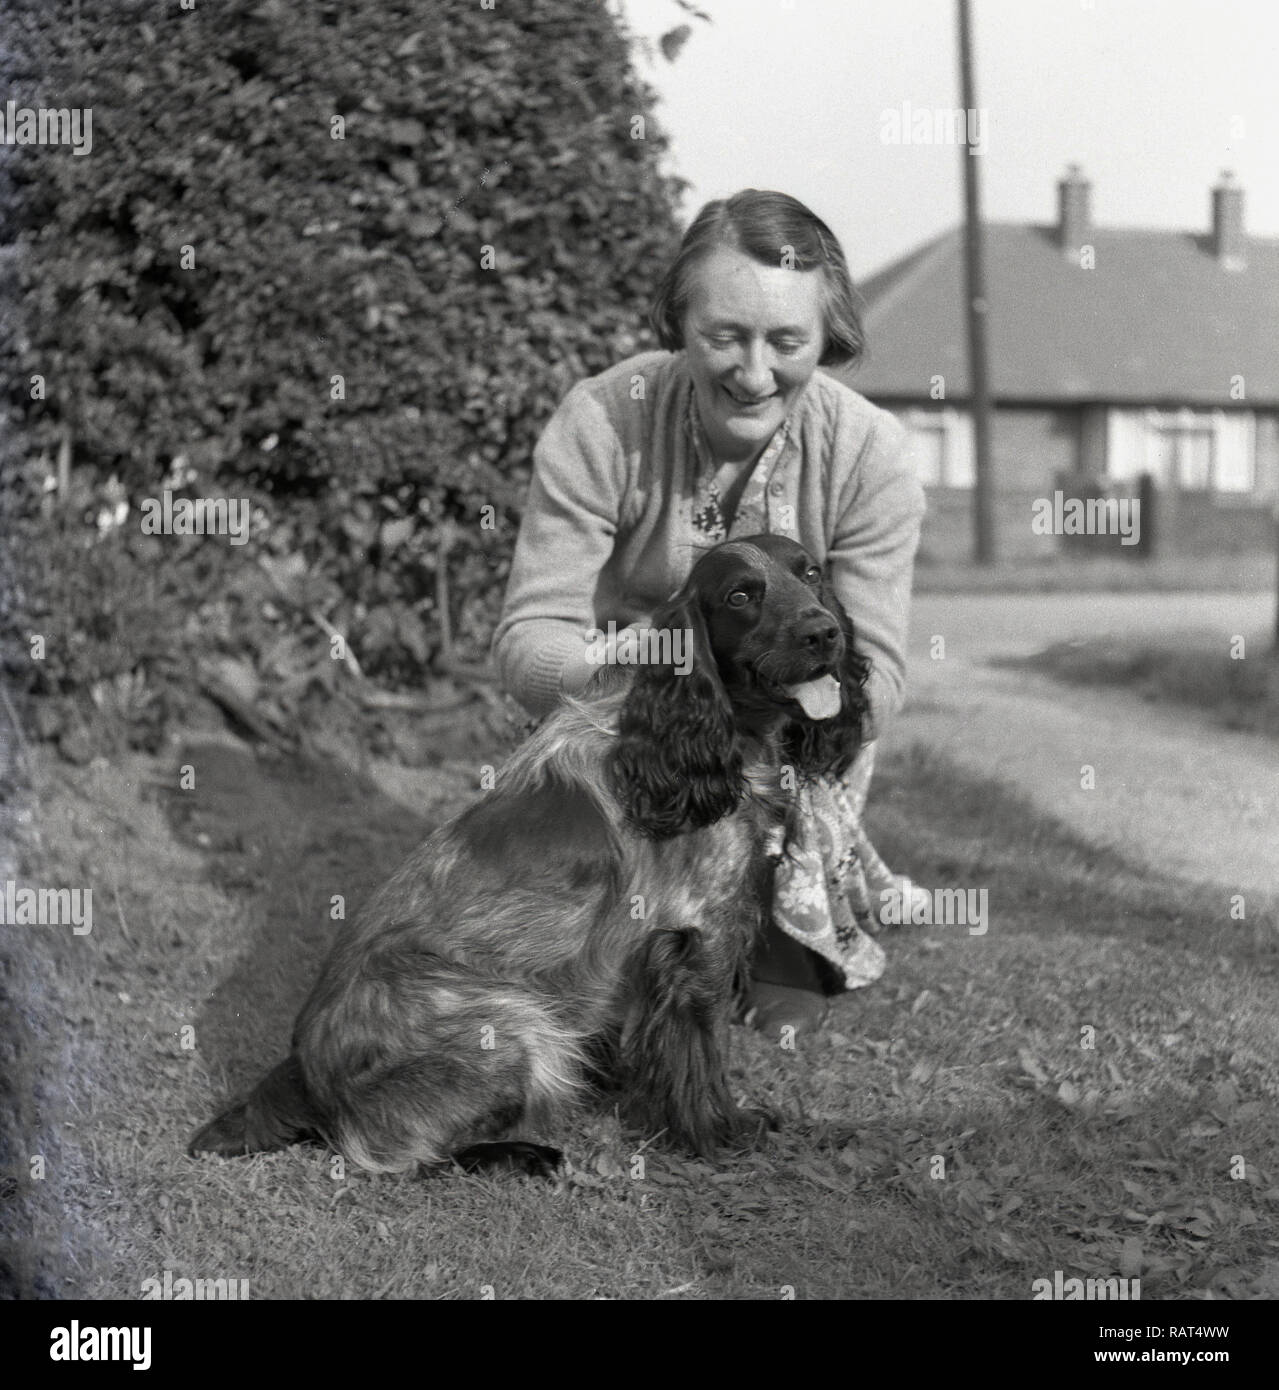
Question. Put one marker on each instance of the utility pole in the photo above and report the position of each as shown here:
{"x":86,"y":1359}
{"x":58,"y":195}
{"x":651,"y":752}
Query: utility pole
{"x":1277,"y":578}
{"x":976,"y":312}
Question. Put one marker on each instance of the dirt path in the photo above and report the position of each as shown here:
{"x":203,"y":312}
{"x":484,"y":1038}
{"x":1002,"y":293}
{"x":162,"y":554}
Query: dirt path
{"x":1172,"y":789}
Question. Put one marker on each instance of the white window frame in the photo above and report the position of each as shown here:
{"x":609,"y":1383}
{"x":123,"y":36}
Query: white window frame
{"x":956,"y":429}
{"x":1219,"y":426}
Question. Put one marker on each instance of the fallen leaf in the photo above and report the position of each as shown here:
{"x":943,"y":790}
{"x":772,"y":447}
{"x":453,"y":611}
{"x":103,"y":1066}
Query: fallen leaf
{"x":1030,"y":1065}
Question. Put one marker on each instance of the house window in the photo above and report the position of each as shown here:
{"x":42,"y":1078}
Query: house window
{"x":1180,"y":454}
{"x":1200,"y":451}
{"x":940,"y":447}
{"x":1234,"y":463}
{"x":928,"y":446}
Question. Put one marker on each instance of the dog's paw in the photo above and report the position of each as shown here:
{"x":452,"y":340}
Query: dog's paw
{"x":225,"y":1136}
{"x":511,"y":1156}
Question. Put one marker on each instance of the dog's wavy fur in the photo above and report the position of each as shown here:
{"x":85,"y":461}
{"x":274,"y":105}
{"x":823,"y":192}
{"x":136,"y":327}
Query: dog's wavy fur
{"x":584,"y":922}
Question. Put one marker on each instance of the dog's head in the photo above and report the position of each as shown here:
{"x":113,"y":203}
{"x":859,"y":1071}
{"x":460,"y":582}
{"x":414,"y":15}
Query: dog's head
{"x":773,"y":658}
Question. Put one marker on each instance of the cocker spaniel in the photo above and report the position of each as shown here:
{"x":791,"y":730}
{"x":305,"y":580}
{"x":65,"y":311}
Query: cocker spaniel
{"x":583,"y":924}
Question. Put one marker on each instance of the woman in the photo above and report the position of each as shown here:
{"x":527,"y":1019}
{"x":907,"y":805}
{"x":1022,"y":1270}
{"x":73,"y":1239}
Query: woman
{"x":730,"y":430}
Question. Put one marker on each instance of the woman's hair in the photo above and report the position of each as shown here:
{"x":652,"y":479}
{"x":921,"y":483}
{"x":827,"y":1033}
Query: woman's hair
{"x":761,"y":224}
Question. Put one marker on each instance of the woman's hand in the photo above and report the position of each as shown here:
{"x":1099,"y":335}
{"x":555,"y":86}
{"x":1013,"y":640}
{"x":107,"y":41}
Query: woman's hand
{"x":598,"y":655}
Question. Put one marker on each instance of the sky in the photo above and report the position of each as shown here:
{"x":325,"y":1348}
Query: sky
{"x":1153,"y":98}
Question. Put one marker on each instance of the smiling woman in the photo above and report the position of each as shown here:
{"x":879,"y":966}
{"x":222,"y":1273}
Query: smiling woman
{"x":731,"y":430}
{"x":753,"y":328}
{"x":754,"y":334}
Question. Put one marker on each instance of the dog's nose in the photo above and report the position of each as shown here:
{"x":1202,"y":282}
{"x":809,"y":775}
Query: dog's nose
{"x":817,"y":631}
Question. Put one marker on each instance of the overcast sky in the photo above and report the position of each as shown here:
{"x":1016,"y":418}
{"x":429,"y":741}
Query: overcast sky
{"x":1152,"y":97}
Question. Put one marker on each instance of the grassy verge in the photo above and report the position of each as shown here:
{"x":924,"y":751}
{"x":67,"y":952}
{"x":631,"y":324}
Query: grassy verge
{"x":1089,"y":1086}
{"x":1240,"y":694}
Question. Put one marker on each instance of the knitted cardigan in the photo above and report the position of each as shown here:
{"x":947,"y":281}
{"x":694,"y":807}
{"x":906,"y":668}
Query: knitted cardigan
{"x":608,"y":535}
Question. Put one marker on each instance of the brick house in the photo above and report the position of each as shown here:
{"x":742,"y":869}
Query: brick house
{"x":1114,"y":353}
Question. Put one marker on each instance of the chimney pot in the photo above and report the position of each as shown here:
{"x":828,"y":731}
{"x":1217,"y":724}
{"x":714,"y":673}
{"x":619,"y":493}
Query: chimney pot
{"x":1074,"y":211}
{"x":1228,"y":242}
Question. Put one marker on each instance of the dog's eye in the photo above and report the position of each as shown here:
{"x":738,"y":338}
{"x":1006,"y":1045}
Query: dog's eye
{"x":813,"y":574}
{"x":739,"y":598}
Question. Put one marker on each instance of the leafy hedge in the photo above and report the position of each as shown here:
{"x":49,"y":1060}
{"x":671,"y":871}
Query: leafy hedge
{"x":308,"y":258}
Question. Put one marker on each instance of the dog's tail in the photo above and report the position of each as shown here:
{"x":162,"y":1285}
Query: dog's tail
{"x":279,"y":1111}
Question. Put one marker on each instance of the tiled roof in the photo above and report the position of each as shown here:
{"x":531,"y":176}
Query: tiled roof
{"x":1158,"y":321}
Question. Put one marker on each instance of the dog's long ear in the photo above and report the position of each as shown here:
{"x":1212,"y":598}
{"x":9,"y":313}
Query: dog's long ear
{"x":677,"y":765}
{"x":828,"y":746}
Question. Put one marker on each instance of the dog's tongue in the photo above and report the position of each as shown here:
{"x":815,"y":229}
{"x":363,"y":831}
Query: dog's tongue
{"x":819,"y":698}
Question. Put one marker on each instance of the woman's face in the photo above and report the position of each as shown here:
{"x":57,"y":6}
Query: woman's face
{"x":753,"y":334}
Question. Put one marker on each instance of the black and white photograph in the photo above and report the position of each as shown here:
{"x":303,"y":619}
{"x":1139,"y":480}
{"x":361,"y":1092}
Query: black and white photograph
{"x":639,"y":662}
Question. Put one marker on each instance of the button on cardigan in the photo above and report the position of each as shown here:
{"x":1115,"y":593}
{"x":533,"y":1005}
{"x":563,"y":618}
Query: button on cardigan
{"x":622,"y":502}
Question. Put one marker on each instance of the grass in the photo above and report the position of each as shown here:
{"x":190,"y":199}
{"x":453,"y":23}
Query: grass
{"x":1240,"y":694}
{"x":947,"y":1137}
